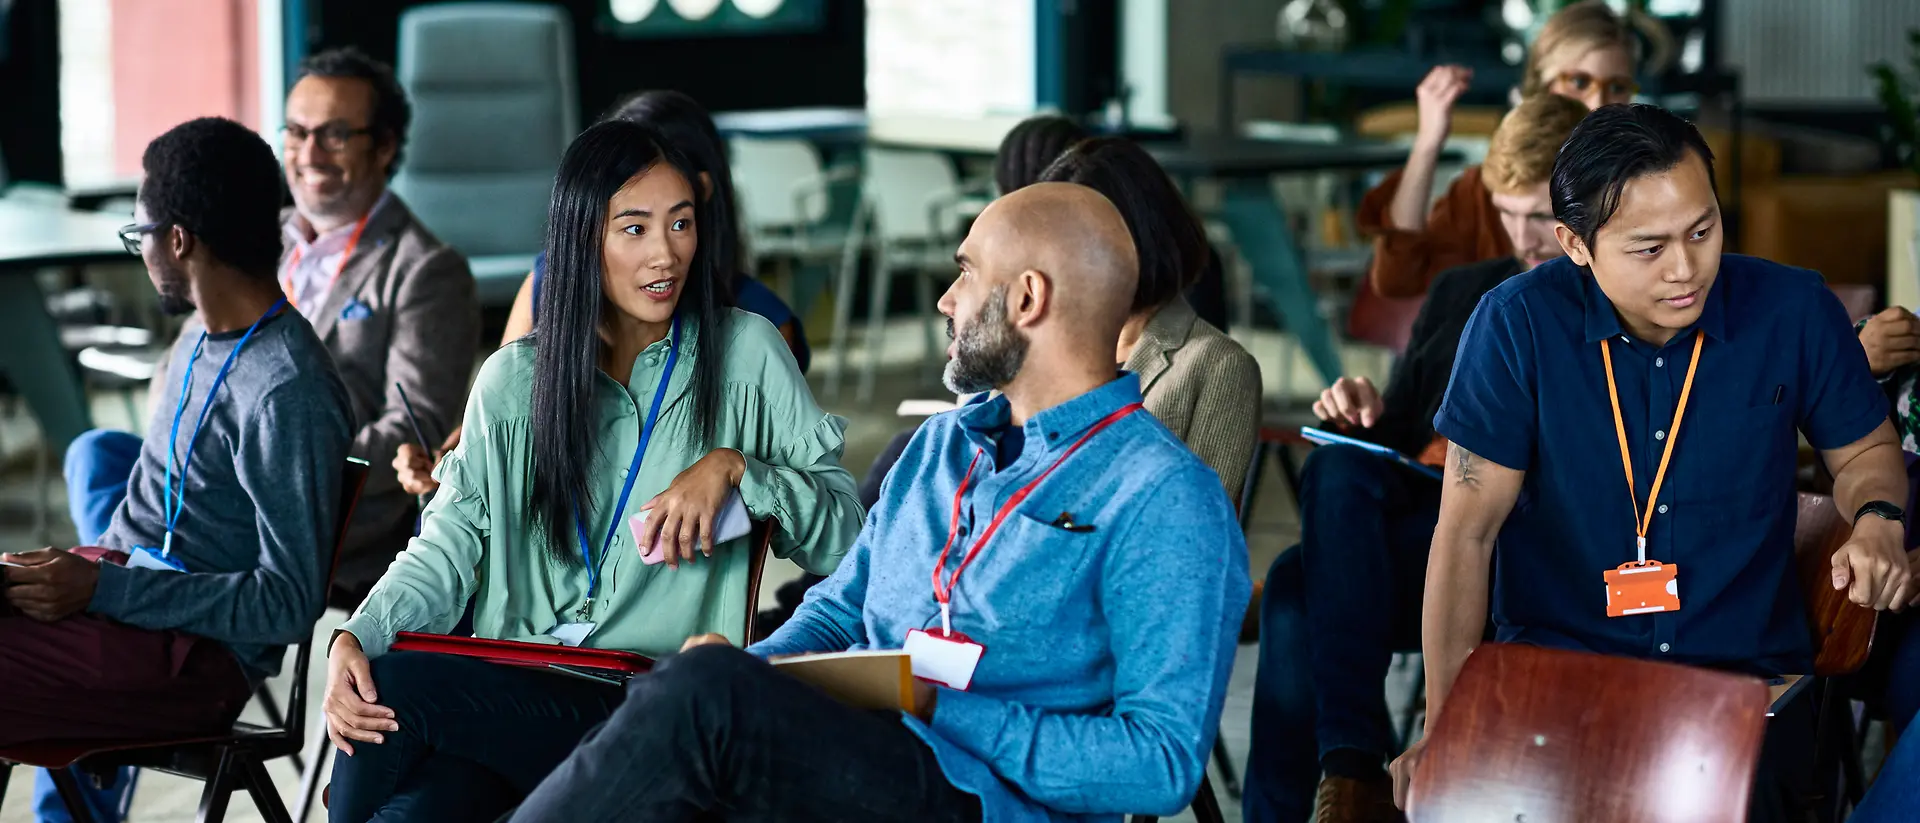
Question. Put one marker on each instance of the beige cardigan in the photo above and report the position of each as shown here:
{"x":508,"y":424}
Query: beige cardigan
{"x":1203,"y":386}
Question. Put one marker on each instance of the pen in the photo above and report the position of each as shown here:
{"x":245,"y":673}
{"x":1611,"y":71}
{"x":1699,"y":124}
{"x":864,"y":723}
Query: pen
{"x":414,"y":421}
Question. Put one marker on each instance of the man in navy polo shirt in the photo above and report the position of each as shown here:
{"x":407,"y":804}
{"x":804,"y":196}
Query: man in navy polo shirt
{"x":1646,"y":341}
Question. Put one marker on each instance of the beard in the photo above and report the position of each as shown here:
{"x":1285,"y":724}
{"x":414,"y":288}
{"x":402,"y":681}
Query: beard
{"x":176,"y":298}
{"x":989,"y":352}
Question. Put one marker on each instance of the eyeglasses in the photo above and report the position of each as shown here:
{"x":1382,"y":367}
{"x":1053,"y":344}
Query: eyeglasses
{"x":133,"y":234}
{"x":1579,"y":82}
{"x":332,"y":136}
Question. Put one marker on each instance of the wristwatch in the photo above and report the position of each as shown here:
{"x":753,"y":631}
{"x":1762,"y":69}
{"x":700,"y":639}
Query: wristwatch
{"x":1881,"y":509}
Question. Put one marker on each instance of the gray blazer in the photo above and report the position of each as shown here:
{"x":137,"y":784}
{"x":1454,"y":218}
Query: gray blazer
{"x":404,"y":309}
{"x":1204,"y":387}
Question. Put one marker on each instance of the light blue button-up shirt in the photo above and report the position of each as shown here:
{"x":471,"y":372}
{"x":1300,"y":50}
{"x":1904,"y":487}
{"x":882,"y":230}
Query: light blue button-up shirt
{"x":1108,"y":650}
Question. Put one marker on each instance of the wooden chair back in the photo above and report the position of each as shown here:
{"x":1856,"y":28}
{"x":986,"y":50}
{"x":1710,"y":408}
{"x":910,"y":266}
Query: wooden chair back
{"x":761,"y":541}
{"x":1842,"y":630}
{"x":1529,"y":733}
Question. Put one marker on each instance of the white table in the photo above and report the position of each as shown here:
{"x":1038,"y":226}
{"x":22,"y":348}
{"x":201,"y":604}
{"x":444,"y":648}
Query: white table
{"x":34,"y":236}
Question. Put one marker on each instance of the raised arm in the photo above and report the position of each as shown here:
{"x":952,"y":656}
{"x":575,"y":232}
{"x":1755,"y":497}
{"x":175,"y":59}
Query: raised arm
{"x":1435,"y":96}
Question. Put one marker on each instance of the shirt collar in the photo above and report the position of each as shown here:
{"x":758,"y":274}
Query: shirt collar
{"x":1602,"y":322}
{"x":1055,"y":427}
{"x":298,"y":228}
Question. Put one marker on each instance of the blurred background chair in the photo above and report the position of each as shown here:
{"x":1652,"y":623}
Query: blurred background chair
{"x":494,"y":107}
{"x":911,"y":199}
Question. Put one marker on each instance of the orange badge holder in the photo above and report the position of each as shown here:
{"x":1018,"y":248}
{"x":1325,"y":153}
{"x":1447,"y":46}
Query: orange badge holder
{"x":1643,"y":588}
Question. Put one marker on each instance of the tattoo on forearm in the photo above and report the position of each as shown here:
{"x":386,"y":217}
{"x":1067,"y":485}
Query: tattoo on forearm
{"x":1464,"y":463}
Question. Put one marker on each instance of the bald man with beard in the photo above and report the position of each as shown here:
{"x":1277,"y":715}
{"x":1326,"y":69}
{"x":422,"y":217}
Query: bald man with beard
{"x":1073,"y":655}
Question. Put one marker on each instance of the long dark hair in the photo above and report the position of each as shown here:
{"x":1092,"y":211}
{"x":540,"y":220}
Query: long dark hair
{"x":1172,"y":244}
{"x":1030,"y":147}
{"x":565,"y":334}
{"x":686,"y":124}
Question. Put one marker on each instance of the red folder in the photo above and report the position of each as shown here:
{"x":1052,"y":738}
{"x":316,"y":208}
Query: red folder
{"x":532,"y":655}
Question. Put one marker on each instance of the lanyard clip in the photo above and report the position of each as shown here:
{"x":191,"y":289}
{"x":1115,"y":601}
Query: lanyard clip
{"x":166,"y":544}
{"x":1642,"y":543}
{"x":946,"y":619}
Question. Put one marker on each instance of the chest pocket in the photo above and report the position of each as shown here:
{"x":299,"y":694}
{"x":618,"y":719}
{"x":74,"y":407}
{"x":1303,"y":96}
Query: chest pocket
{"x":1026,"y":577}
{"x":1755,"y":448}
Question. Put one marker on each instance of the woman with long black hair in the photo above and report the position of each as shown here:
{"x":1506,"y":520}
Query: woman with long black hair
{"x":685,"y":124}
{"x":641,"y":397}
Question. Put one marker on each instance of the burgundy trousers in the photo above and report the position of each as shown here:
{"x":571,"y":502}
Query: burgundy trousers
{"x":88,"y":678}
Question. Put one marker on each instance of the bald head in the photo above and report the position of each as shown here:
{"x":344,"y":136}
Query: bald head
{"x":1049,"y":270}
{"x":1072,"y":236}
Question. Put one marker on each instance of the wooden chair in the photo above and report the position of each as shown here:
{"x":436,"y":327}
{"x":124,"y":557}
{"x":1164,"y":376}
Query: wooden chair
{"x":1842,"y":639}
{"x":761,"y":539}
{"x":1541,"y":734}
{"x":1842,"y":630}
{"x":225,"y":763}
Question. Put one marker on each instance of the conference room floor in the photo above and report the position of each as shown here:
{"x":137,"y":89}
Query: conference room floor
{"x":165,"y":799}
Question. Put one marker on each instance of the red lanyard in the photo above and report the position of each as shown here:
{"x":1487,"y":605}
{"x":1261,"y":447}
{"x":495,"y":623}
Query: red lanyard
{"x":1642,"y":523}
{"x":293,"y":261}
{"x":943,"y":592}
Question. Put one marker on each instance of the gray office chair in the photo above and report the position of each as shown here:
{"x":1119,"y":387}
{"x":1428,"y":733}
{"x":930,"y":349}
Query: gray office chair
{"x":494,"y":107}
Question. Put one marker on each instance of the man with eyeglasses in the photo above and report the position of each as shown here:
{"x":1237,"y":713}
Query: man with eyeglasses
{"x":394,"y":305}
{"x":210,"y":560}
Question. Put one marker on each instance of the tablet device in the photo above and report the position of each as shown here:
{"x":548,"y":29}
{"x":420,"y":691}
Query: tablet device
{"x":1327,"y":438}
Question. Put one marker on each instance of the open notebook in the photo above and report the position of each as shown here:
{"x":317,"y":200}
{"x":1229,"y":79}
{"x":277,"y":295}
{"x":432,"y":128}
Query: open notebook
{"x":872,"y":679}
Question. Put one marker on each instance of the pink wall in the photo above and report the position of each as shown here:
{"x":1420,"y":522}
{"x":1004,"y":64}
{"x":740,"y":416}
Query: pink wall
{"x":173,"y":62}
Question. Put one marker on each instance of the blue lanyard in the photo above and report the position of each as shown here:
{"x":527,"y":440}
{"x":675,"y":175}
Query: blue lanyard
{"x":174,"y":502}
{"x":633,"y":471}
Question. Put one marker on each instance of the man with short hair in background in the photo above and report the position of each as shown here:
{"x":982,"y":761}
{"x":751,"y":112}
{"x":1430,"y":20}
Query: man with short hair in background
{"x":393,"y":304}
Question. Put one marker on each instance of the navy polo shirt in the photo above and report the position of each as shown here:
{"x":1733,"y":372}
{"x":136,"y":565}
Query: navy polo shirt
{"x":1529,"y":392}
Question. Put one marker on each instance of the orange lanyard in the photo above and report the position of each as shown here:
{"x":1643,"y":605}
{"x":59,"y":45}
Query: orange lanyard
{"x":293,"y":262}
{"x":1643,"y":521}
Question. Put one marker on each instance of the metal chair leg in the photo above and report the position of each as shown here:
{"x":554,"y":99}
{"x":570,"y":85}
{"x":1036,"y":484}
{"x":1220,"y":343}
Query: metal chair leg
{"x":1414,"y":707}
{"x":218,"y":790}
{"x":314,"y":771}
{"x":1206,"y":807}
{"x":883,"y":273}
{"x":1222,"y":760}
{"x":260,"y":787}
{"x":70,"y":796}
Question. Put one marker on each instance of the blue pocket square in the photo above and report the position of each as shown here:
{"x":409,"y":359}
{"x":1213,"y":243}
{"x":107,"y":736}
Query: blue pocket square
{"x":355,"y":310}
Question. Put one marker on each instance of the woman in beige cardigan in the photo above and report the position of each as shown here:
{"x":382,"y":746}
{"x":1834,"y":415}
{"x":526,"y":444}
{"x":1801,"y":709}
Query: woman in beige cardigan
{"x":1199,"y":382}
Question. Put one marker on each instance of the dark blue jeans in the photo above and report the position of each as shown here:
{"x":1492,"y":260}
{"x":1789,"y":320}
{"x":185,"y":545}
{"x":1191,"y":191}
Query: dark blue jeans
{"x":1895,"y":794}
{"x":1335,"y":609}
{"x":716,"y":733}
{"x":98,"y":464}
{"x":474,"y":738}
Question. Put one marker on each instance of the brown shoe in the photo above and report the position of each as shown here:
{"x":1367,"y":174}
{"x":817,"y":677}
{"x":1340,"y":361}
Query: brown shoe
{"x":1346,"y":800}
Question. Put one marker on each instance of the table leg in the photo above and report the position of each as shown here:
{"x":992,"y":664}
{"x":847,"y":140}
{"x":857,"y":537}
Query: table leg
{"x":37,"y":365}
{"x":1253,"y":215}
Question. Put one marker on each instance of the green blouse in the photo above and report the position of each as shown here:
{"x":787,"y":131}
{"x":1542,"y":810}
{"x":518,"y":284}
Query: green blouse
{"x":478,"y":543}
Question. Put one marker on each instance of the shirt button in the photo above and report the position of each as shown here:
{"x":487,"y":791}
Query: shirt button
{"x":1659,"y":361}
{"x":1660,"y":435}
{"x":1663,"y":508}
{"x":623,"y":473}
{"x":1665,"y":647}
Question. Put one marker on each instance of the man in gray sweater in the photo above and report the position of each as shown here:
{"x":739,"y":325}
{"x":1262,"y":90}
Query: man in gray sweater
{"x":216,"y":557}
